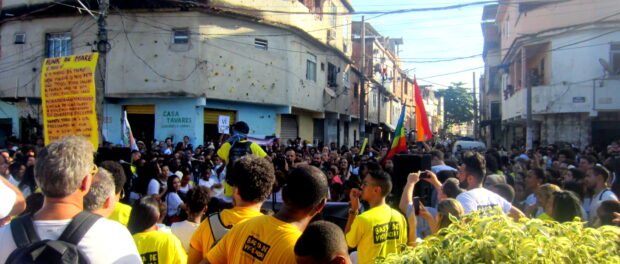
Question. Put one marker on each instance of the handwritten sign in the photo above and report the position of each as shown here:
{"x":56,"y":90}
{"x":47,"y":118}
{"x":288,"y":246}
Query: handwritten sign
{"x":68,"y":95}
{"x":223,"y":124}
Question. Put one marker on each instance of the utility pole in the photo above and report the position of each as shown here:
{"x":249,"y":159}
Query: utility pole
{"x":103,"y":47}
{"x":362,"y":90}
{"x":475,"y":107}
{"x":528,"y":103}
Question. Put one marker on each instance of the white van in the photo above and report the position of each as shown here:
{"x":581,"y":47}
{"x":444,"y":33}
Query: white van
{"x":469,"y":145}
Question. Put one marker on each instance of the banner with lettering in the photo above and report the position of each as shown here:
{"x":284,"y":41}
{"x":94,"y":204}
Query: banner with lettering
{"x":68,"y":95}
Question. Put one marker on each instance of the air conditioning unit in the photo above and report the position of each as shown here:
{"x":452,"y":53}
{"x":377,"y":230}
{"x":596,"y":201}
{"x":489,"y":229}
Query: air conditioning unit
{"x":331,"y":34}
{"x":20,"y":38}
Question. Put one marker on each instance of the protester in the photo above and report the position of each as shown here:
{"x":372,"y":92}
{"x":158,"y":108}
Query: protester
{"x":322,"y":242}
{"x":197,"y":200}
{"x":596,"y":183}
{"x":271,"y":239}
{"x":252,"y":182}
{"x":101,"y":198}
{"x":64,"y":171}
{"x":565,"y":207}
{"x":154,"y":246}
{"x":471,"y":174}
{"x":446,"y":208}
{"x":607,"y":213}
{"x":173,"y":201}
{"x":121,"y":211}
{"x":380,"y":230}
{"x":12,"y":202}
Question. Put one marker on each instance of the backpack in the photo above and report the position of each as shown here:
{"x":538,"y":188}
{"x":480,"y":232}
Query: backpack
{"x":31,"y":249}
{"x":218,"y":229}
{"x":237,"y":151}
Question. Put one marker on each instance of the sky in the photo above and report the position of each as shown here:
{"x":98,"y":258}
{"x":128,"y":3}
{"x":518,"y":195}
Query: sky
{"x":431,"y":35}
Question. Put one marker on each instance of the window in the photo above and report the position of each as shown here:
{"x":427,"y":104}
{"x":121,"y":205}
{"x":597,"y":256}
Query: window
{"x":181,"y":36}
{"x":356,"y":89}
{"x":20,"y":38}
{"x":615,"y":58}
{"x":58,"y":44}
{"x":333,"y":17}
{"x":406,"y":87}
{"x":332,"y":72}
{"x":261,"y":43}
{"x":311,"y":67}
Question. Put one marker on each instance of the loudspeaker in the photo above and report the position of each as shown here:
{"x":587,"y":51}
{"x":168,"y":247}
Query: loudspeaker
{"x":405,"y":164}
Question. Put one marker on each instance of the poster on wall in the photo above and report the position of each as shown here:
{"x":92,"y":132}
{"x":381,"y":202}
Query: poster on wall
{"x":68,"y":97}
{"x":223,"y":124}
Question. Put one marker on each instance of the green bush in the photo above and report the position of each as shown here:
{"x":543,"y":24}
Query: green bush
{"x":498,"y":239}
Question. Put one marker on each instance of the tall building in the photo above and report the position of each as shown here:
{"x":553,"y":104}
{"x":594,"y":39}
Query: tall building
{"x":568,"y":54}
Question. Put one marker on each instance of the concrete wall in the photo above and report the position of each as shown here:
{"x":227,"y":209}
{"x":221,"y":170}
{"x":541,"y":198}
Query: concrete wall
{"x":572,"y":128}
{"x":173,"y":118}
{"x":262,"y":119}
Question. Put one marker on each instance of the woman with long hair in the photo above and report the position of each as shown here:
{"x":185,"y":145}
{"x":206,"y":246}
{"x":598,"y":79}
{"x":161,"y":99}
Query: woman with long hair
{"x":566,"y":206}
{"x":445,"y":209}
{"x":173,"y":201}
{"x":153,"y":245}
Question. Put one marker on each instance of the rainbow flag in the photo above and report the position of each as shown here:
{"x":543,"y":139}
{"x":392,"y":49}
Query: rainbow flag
{"x":400,"y":139}
{"x":421,"y":119}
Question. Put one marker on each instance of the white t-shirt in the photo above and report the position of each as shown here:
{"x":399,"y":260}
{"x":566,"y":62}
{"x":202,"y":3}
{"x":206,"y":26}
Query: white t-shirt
{"x":107,"y":241}
{"x":481,"y":198}
{"x":604,"y":195}
{"x":184,"y":231}
{"x":185,"y":189}
{"x":153,"y":187}
{"x":173,"y":201}
{"x":7,"y":200}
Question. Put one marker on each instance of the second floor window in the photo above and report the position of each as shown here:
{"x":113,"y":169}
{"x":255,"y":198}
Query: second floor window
{"x":58,"y":44}
{"x":311,"y":67}
{"x":332,"y":72}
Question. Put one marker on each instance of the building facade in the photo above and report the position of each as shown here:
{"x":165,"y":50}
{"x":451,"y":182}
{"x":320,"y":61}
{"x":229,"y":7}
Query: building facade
{"x":570,"y":62}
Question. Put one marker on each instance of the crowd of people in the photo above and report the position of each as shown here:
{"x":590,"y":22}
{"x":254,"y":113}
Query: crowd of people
{"x":176,"y":203}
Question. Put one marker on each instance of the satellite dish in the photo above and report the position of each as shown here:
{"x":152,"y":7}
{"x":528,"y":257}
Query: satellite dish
{"x":608,"y":69}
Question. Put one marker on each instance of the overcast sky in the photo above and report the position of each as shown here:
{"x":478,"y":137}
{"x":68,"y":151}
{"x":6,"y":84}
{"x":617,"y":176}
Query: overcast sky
{"x":431,"y":36}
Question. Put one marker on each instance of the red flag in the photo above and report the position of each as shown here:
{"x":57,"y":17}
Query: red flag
{"x":421,"y":121}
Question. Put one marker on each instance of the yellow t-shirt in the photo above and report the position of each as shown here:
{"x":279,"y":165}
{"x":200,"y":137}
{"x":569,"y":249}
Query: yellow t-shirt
{"x":262,"y":239}
{"x":202,"y":240}
{"x":121,"y":213}
{"x":377,"y":232}
{"x":225,"y":148}
{"x":223,"y":154}
{"x":156,"y":247}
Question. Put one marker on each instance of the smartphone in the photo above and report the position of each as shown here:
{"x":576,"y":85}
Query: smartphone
{"x":416,"y":205}
{"x":424,"y":175}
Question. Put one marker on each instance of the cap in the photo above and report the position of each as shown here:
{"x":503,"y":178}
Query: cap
{"x":179,"y":174}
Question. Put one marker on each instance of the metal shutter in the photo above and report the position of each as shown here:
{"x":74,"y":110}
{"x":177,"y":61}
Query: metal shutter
{"x":288,"y":127}
{"x":140,"y":109}
{"x":212,"y":116}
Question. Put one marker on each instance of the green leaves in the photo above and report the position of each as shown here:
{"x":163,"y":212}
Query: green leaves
{"x":498,"y":239}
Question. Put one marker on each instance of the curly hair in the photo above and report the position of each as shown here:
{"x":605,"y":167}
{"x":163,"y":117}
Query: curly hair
{"x":253,"y":176}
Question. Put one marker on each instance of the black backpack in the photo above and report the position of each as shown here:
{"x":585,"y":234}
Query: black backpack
{"x":31,"y":249}
{"x":237,"y":151}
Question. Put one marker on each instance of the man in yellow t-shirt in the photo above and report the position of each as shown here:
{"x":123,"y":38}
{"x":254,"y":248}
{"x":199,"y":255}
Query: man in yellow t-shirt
{"x":271,"y":239}
{"x":380,"y":230}
{"x":156,"y":247}
{"x":253,"y":180}
{"x":121,"y":211}
{"x":237,"y":146}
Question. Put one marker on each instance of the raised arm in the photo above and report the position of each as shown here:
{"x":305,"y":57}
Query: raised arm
{"x":407,"y":197}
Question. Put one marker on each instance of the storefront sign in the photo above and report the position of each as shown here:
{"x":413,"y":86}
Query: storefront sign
{"x":68,"y":96}
{"x":175,"y":119}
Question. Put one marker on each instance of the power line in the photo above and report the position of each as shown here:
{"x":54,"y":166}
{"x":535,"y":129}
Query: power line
{"x":398,"y":11}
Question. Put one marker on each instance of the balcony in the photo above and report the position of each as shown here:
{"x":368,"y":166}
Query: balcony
{"x":565,"y":98}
